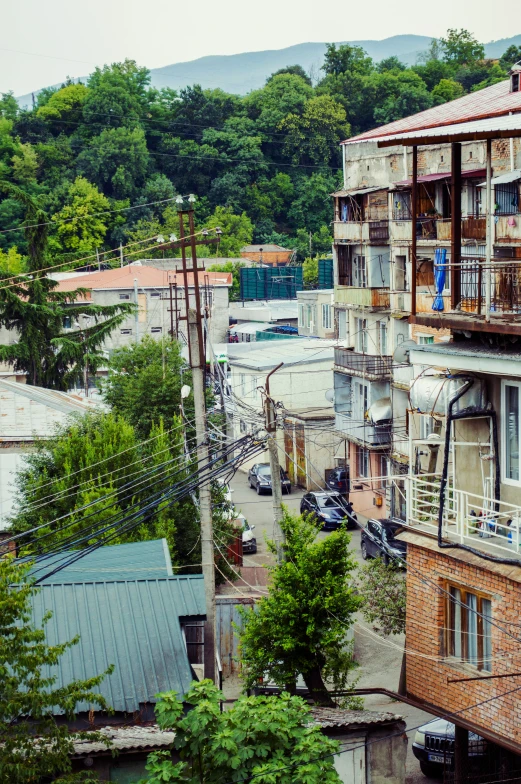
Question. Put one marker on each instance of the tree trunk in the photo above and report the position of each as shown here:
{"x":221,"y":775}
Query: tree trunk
{"x":317,"y":688}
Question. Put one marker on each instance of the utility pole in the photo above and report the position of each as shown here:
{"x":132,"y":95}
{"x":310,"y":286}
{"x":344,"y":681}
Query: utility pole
{"x":276,"y":479}
{"x":205,"y":496}
{"x":120,"y":254}
{"x":136,"y":300}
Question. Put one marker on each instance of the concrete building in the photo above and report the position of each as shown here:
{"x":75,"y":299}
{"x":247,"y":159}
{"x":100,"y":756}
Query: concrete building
{"x":159,"y":294}
{"x":311,"y":446}
{"x":272,"y":311}
{"x":315,"y":313}
{"x":454,"y":278}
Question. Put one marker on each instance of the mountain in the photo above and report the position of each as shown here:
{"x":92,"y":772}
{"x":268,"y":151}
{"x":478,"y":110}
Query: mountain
{"x":240,"y":73}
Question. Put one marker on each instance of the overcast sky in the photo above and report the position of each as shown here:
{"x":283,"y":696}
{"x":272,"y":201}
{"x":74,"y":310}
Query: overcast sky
{"x":43,"y":41}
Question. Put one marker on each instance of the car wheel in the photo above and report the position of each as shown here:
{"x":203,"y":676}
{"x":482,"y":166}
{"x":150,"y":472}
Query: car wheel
{"x":365,"y":554}
{"x":258,"y":490}
{"x":250,"y":484}
{"x":431,"y":770}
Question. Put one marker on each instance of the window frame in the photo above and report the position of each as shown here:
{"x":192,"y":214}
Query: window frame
{"x":383,"y":334}
{"x":504,"y":384}
{"x":424,"y":339}
{"x":479,"y":634}
{"x":361,"y":335}
{"x":362,"y":458}
{"x":124,"y":296}
{"x":327,"y":320}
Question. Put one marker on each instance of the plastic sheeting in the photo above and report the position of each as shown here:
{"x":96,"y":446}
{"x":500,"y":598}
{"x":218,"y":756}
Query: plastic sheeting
{"x":432,"y":394}
{"x":381,"y":411}
{"x":440,"y":269}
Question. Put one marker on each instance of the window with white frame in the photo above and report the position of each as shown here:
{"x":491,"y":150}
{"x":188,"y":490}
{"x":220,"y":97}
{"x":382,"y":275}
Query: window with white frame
{"x":359,"y":272}
{"x":424,"y":340}
{"x":382,"y":337}
{"x":360,"y":400}
{"x":511,"y":391}
{"x":301,"y":315}
{"x":342,"y":324}
{"x":362,"y":462}
{"x":361,"y":342}
{"x":327,"y":316}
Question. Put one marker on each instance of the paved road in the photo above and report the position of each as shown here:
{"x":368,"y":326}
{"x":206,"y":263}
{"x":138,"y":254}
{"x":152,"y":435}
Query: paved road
{"x":379,"y":660}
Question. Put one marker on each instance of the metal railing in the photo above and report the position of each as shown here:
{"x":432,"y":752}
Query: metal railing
{"x":468,"y":518}
{"x":378,"y":230}
{"x":505,"y":296}
{"x":364,"y":364}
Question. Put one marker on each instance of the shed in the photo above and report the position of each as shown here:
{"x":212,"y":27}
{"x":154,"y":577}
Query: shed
{"x":136,"y":625}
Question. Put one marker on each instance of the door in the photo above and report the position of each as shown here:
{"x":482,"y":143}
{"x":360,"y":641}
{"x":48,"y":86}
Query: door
{"x":300,"y":443}
{"x":350,"y":765}
{"x":289,"y":449}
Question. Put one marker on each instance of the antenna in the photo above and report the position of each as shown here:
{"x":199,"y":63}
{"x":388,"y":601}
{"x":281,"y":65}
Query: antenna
{"x":402,"y":352}
{"x":330,"y":395}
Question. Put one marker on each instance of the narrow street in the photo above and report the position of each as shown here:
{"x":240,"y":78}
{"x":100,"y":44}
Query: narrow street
{"x":379,"y":660}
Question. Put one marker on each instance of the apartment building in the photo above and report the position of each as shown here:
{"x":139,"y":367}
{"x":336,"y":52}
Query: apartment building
{"x":452,"y":233}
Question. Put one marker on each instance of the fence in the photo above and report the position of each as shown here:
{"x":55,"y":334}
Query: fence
{"x":505,"y":286}
{"x":270,"y":283}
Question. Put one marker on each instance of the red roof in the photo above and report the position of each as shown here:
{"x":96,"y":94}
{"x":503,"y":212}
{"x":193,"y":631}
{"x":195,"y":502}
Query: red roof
{"x":444,"y":176}
{"x":490,"y":102}
{"x":147,"y":278}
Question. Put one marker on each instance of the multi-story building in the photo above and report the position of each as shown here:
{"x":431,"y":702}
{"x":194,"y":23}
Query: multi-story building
{"x":455,"y":281}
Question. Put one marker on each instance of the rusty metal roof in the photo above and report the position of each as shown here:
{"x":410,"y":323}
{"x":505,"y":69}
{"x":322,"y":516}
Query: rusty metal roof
{"x":506,"y":126}
{"x":443,"y":176}
{"x":489,"y":102}
{"x":147,"y":278}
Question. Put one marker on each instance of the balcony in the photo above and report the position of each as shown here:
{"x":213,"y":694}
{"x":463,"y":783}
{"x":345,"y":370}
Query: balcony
{"x":482,"y":523}
{"x":376,"y":299}
{"x":363,"y":432}
{"x":508,"y":228}
{"x":372,"y":367}
{"x":352,"y":231}
{"x":379,"y":231}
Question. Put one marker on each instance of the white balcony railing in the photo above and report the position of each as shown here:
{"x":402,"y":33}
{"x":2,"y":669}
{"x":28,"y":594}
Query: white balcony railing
{"x":491,"y":526}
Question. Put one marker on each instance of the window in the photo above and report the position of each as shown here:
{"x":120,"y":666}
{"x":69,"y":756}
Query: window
{"x":156,"y":330}
{"x":400,"y":273}
{"x":155,"y":294}
{"x":327,"y":316}
{"x":425,"y":340}
{"x":126,"y":331}
{"x":384,"y":470}
{"x":515,"y":83}
{"x":468,"y":628}
{"x":300,"y":315}
{"x":359,"y":272}
{"x":361,"y":335}
{"x":360,"y":398}
{"x":362,"y":462}
{"x":507,"y":198}
{"x":124,"y":296}
{"x":342,"y":324}
{"x":254,"y":385}
{"x":243,"y":427}
{"x":510,"y":431}
{"x":243,"y":384}
{"x":382,"y":337}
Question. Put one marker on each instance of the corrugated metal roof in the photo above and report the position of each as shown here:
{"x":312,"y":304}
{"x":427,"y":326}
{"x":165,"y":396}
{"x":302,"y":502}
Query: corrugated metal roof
{"x":136,"y":560}
{"x":509,"y":125}
{"x":360,"y":191}
{"x":336,"y":717}
{"x":147,"y":278}
{"x":489,"y":102}
{"x":510,"y":176}
{"x":59,"y":401}
{"x":132,"y":624}
{"x":124,"y":739}
{"x":268,"y":248}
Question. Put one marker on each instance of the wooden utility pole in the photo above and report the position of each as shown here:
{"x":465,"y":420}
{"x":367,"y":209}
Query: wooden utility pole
{"x":276,"y":479}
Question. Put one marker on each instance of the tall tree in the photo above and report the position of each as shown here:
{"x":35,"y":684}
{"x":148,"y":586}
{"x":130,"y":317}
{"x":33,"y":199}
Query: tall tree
{"x":461,"y":48}
{"x":300,"y":627}
{"x":269,"y":739}
{"x":33,"y":745}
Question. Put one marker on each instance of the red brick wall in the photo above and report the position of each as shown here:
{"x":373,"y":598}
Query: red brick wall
{"x":427,"y":678}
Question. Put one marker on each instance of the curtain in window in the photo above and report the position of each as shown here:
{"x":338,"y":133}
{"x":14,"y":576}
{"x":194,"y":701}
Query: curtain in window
{"x":472,"y":629}
{"x":455,"y":623}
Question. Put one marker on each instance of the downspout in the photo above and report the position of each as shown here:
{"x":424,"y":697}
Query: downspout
{"x":511,"y":150}
{"x":450,"y":418}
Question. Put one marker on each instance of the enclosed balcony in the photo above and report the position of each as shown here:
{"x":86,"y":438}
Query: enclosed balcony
{"x":366,"y":365}
{"x":375,"y":299}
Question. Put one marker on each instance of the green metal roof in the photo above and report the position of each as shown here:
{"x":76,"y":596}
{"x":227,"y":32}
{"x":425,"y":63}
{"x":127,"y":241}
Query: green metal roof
{"x":137,"y":560}
{"x":133,"y":624}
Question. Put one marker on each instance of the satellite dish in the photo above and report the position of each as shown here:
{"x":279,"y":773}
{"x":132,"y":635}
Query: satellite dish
{"x":185,"y":391}
{"x":401,"y":352}
{"x":330,"y":395}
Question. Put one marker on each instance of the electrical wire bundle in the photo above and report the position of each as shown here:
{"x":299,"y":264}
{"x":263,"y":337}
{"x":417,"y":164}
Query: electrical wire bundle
{"x":98,"y":534}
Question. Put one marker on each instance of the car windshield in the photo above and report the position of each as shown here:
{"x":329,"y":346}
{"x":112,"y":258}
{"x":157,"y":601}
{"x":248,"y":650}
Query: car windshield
{"x":264,"y":471}
{"x":325,"y":501}
{"x":389,"y":532}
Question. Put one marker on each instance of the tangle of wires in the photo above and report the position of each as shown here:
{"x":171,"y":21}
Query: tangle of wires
{"x":79,"y":538}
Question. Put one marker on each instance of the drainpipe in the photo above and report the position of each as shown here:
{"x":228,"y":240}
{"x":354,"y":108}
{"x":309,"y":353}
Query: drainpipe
{"x":488,"y":214}
{"x":511,"y":151}
{"x":136,"y":300}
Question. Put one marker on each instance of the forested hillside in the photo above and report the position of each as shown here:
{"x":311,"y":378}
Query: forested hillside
{"x":102,"y":159}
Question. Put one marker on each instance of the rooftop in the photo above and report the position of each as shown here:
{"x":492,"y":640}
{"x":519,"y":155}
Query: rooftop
{"x":506,"y":126}
{"x":298,"y":351}
{"x":134,"y":738}
{"x":337,"y":717}
{"x":489,"y":102}
{"x":267,"y":248}
{"x":134,"y":624}
{"x":468,"y":356}
{"x":147,"y":278}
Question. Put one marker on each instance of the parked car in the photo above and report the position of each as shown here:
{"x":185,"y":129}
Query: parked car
{"x":378,"y":540}
{"x":259,"y":479}
{"x":330,"y":508}
{"x":433,"y":746}
{"x":338,"y":480}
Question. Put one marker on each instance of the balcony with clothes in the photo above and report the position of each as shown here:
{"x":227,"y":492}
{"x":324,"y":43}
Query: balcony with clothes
{"x":363,"y":410}
{"x":363,"y":278}
{"x":361,"y":215}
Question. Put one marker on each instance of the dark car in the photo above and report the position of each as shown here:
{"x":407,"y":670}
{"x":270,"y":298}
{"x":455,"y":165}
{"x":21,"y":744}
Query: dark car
{"x":259,"y":479}
{"x":378,"y":540}
{"x":433,"y":746}
{"x":330,"y":508}
{"x":338,"y":480}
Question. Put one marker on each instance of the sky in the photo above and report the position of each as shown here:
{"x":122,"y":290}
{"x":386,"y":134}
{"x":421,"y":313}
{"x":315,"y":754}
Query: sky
{"x":43,"y":42}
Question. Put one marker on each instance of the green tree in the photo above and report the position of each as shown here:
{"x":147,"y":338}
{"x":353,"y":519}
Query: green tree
{"x":117,"y":95}
{"x":25,"y":164}
{"x":300,"y":627}
{"x":268,"y":739}
{"x":33,"y":308}
{"x":346,"y":57}
{"x":11,"y":262}
{"x":80,"y":228}
{"x":33,"y":744}
{"x":144,"y":383}
{"x":311,"y":206}
{"x":116,"y":161}
{"x":310,"y":272}
{"x":312,"y":137}
{"x":9,"y":106}
{"x":382,"y":588}
{"x":447,"y":90}
{"x":284,"y":94}
{"x":461,"y":48}
{"x":510,"y":57}
{"x":297,"y":70}
{"x":64,"y":106}
{"x":237,"y":231}
{"x":235,"y":268}
{"x":392,"y":63}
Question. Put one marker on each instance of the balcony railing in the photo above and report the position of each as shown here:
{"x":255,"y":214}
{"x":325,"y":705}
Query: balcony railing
{"x":378,"y":230}
{"x":352,"y":231}
{"x":366,"y":365}
{"x":363,"y":297}
{"x":505,"y":286}
{"x":362,"y":432}
{"x":470,"y":519}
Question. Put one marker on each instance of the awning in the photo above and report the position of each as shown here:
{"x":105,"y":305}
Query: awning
{"x":510,"y":176}
{"x":442,"y":176}
{"x":360,"y":191}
